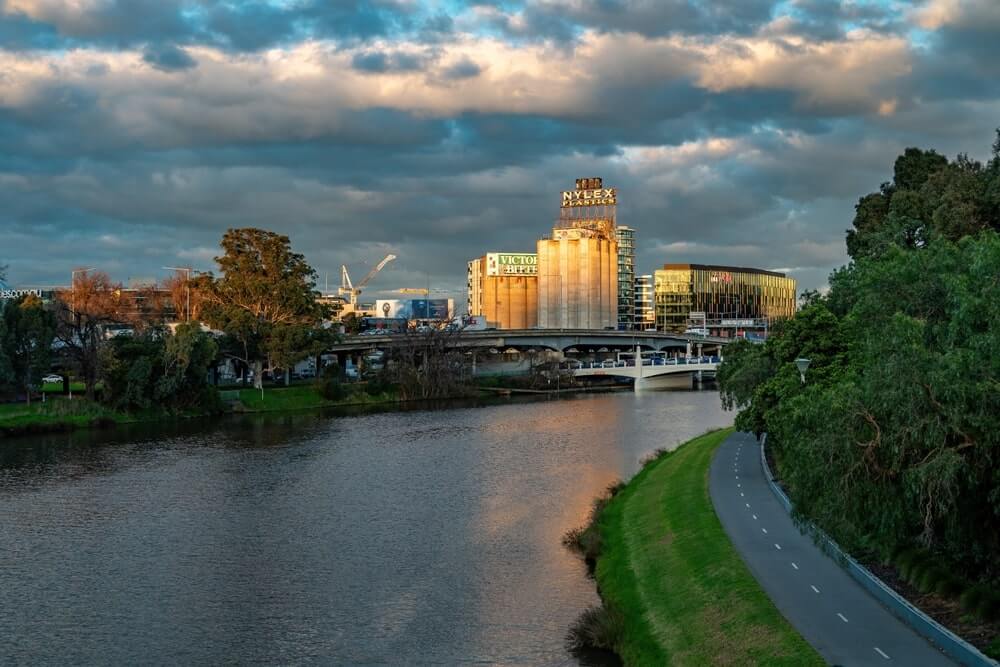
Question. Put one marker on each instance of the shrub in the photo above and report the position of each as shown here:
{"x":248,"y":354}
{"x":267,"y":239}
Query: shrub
{"x":950,"y":586}
{"x":930,"y":578}
{"x":993,"y":650}
{"x":988,"y":608}
{"x":615,"y":487}
{"x":972,"y":598}
{"x":597,"y":627}
{"x":329,"y":386}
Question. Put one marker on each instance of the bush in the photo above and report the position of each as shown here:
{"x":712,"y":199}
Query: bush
{"x":931,"y":577}
{"x":950,"y":586}
{"x":329,"y":386}
{"x":972,"y":598}
{"x":993,"y":650}
{"x":615,"y":487}
{"x":597,"y":627}
{"x":988,"y":608}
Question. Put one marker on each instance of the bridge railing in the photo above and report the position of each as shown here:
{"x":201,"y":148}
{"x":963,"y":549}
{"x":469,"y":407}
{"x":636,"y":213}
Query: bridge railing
{"x":609,"y":363}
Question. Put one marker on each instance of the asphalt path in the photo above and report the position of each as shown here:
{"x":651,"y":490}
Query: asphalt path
{"x":833,"y":612}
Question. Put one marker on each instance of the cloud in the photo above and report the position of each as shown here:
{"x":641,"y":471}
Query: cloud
{"x":166,"y":58}
{"x":135,"y":133}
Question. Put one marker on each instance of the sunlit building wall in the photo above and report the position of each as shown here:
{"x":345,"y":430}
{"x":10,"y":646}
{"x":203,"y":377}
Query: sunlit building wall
{"x":578,"y":264}
{"x":645,"y":315}
{"x":503,"y":288}
{"x":626,"y":277}
{"x":720,"y":292}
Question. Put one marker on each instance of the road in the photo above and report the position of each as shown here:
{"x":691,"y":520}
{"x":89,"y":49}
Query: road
{"x":832,"y":611}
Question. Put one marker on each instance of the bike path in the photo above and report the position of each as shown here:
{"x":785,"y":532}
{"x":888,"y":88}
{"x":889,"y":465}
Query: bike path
{"x":845,"y":624}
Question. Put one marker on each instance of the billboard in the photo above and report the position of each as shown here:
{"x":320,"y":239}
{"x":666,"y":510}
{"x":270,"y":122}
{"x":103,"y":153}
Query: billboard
{"x":511,"y":264}
{"x":415,"y":309}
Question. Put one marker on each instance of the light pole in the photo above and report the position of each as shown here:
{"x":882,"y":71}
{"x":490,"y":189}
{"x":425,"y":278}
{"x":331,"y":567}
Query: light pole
{"x":802,"y":364}
{"x":72,"y":286}
{"x":72,"y":304}
{"x":187,"y":284}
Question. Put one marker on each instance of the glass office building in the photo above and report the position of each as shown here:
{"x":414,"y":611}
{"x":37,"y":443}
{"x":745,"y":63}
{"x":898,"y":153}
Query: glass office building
{"x":722,"y":293}
{"x":626,"y":277}
{"x":645,"y":315}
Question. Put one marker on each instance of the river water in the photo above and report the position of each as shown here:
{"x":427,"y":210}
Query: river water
{"x":394,"y":538}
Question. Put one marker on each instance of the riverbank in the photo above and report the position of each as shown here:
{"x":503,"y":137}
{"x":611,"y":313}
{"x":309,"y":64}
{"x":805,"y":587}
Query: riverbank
{"x":59,"y":413}
{"x":667,"y":568}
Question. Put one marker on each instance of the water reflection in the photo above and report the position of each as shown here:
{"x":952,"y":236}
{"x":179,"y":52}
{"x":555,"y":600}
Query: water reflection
{"x":422,"y":537}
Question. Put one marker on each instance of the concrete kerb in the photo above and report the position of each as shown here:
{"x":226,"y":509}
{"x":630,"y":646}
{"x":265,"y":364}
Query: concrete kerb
{"x":951,"y":644}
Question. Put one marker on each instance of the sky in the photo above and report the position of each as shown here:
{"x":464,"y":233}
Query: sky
{"x":133,"y":133}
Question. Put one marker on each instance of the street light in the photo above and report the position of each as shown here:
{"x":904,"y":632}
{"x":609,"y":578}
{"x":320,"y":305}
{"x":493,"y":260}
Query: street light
{"x":802,"y":364}
{"x":72,"y":286}
{"x":187,"y":284}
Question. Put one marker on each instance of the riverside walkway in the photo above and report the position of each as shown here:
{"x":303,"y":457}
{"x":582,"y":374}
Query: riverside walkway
{"x":832,"y":611}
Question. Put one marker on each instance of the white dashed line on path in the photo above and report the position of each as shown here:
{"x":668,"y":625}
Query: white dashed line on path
{"x":815,"y":590}
{"x":794,"y":565}
{"x":748,"y":505}
{"x":777,"y":546}
{"x":882,"y":653}
{"x":765,"y":530}
{"x":842,"y":617}
{"x":754,"y":517}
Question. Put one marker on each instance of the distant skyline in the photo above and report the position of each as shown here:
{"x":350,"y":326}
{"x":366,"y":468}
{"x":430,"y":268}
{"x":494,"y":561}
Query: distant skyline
{"x":133,"y":133}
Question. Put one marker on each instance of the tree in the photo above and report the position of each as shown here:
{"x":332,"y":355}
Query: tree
{"x":893,"y":439}
{"x":83,"y":313}
{"x":28,"y":332}
{"x":157,"y":369}
{"x":264,"y":300}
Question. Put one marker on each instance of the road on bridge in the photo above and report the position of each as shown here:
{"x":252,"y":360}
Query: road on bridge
{"x":831,"y":610}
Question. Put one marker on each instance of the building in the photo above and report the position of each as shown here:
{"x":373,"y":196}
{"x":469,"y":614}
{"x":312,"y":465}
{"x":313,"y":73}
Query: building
{"x":503,"y":288}
{"x":415,"y":310}
{"x":645,"y":315}
{"x":626,"y":277}
{"x":578,"y":263}
{"x":725,"y":298}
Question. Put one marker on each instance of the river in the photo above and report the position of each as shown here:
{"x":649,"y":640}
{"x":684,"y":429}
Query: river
{"x":393,"y":538}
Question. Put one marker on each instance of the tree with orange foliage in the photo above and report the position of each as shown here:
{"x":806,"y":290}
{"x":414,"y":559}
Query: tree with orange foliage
{"x":83,"y":313}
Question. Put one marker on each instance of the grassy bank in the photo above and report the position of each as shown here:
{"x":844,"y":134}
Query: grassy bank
{"x":667,"y":567}
{"x":59,"y":413}
{"x":304,"y":397}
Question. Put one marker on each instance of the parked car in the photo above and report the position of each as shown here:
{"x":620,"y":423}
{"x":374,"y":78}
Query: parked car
{"x":52,"y":379}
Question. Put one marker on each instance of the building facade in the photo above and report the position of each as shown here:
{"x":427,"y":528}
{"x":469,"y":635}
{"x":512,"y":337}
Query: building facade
{"x":626,"y":277}
{"x":720,"y":295}
{"x":578,"y":264}
{"x":645,"y":315}
{"x":503,"y":288}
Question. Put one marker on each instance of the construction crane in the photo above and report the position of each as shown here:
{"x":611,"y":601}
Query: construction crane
{"x":423,"y":291}
{"x":354,"y":291}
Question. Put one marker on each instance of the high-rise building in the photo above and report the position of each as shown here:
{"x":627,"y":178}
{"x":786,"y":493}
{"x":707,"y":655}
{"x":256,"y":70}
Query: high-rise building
{"x":645,"y":316}
{"x":578,"y":264}
{"x":503,"y":288}
{"x":720,"y":294}
{"x":626,"y":277}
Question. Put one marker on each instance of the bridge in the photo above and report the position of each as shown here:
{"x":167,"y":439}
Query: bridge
{"x":559,"y":340}
{"x":653,"y":370}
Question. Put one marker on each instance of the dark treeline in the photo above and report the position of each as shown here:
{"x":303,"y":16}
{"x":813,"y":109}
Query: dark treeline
{"x":893,"y":442}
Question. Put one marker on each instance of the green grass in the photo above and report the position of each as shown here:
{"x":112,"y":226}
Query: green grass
{"x":56,"y":411}
{"x":302,"y":397}
{"x":668,"y":567}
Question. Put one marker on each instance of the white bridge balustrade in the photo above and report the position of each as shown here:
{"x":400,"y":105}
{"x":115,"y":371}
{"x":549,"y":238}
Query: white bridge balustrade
{"x":655,"y":369}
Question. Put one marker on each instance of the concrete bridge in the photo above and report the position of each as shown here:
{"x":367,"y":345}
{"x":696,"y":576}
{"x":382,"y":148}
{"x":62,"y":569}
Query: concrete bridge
{"x":653,"y":371}
{"x":559,"y":340}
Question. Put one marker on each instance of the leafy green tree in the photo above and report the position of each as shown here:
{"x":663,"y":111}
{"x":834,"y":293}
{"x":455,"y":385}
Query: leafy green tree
{"x":28,"y":332}
{"x":188,"y":357}
{"x":131,"y":366}
{"x":894,"y":439}
{"x":265,"y":300}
